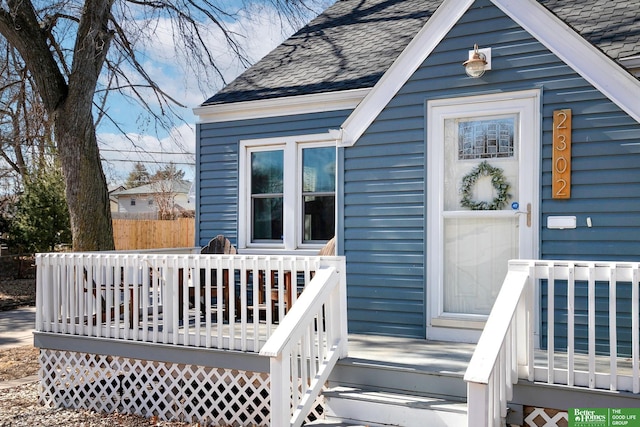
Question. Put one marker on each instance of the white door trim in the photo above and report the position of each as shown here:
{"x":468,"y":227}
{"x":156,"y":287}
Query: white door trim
{"x":527,"y":105}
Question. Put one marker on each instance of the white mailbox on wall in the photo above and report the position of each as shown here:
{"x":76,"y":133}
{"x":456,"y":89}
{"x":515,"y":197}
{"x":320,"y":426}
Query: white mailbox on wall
{"x":561,"y":222}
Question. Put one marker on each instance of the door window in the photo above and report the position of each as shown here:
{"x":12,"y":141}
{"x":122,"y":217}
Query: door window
{"x":478,"y":240}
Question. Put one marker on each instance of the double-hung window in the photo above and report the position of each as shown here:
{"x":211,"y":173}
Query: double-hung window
{"x":288,"y":192}
{"x":267,"y":195}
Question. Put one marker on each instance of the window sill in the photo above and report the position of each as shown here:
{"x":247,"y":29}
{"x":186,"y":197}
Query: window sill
{"x":272,"y":251}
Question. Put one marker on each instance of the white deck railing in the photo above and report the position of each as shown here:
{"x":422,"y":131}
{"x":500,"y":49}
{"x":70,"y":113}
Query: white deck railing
{"x":576,"y":293}
{"x":505,"y":346}
{"x":214,"y":301}
{"x":229,"y":302}
{"x":306,"y":347}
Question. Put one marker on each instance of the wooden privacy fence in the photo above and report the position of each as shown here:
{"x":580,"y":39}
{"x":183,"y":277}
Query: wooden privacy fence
{"x":152,"y":234}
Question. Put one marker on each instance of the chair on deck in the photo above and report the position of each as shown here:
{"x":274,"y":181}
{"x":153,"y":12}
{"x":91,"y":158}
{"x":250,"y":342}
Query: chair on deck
{"x":219,"y":245}
{"x":101,"y":291}
{"x":329,"y":249}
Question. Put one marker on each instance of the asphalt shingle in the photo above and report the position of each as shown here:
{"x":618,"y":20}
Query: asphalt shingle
{"x":352,"y":44}
{"x":349,"y":46}
{"x":611,"y":25}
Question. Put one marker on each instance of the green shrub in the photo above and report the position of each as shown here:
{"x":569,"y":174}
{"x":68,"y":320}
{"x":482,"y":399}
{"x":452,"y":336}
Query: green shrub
{"x":42,"y":218}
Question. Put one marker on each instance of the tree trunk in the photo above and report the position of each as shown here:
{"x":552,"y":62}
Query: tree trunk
{"x":86,"y":186}
{"x":69,"y":104}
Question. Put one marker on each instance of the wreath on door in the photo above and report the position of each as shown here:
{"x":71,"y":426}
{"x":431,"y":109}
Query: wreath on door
{"x":498,"y":181}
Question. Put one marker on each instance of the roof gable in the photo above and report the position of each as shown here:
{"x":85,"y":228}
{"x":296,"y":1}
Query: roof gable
{"x":592,"y":64}
{"x":347,"y":51}
{"x":181,"y":187}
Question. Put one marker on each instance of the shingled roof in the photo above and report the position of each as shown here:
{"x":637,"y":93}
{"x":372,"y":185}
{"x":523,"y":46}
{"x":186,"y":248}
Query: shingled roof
{"x":352,"y":43}
{"x":349,"y":46}
{"x":613,"y":26}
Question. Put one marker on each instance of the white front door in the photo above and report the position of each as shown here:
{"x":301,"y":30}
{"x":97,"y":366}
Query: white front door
{"x":482,"y":204}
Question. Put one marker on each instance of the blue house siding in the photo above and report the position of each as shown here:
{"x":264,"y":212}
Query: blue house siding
{"x":384,"y":228}
{"x":623,"y":322}
{"x":384,"y":178}
{"x":605,"y":187}
{"x":218,"y":145}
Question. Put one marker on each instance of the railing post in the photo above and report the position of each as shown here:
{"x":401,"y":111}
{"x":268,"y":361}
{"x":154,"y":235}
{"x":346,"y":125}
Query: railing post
{"x":280,"y":389}
{"x":342,"y":289}
{"x":170,"y":294}
{"x":477,"y":404}
{"x":635,"y":325}
{"x":591,"y":321}
{"x":613,"y":337}
{"x":39,"y":292}
{"x":524,"y":321}
{"x":339,"y":300}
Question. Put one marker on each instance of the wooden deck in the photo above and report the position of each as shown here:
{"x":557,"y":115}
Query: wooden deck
{"x":453,"y":358}
{"x":418,"y":354}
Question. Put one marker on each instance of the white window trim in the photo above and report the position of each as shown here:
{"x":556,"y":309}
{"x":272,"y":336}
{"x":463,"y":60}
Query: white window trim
{"x":292,"y":211}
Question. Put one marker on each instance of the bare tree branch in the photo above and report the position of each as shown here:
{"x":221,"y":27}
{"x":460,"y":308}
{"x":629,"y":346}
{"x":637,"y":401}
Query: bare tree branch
{"x":19,"y":25}
{"x":109,"y":40}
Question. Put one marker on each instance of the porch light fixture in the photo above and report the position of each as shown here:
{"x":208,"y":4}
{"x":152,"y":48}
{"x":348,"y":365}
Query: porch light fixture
{"x":476,"y":65}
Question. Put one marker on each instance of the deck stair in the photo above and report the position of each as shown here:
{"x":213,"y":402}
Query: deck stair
{"x":422,"y":385}
{"x":383,"y":408}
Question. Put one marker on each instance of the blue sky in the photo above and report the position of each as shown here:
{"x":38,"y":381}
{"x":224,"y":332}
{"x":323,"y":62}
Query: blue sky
{"x":260,"y":32}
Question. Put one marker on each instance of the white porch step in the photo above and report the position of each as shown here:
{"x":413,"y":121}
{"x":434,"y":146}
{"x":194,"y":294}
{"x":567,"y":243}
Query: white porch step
{"x":348,"y":406}
{"x":336,"y":423}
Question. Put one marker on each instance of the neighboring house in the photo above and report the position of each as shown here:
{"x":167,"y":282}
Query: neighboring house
{"x":113,"y":201}
{"x":167,"y":196}
{"x":449,"y":197}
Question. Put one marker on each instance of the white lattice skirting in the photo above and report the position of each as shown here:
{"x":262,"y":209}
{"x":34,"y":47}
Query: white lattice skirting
{"x":169,"y":391}
{"x":541,"y":417}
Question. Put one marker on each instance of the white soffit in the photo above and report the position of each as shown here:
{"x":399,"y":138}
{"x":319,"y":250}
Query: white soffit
{"x":632,"y":63}
{"x":594,"y":66}
{"x":283,"y":106}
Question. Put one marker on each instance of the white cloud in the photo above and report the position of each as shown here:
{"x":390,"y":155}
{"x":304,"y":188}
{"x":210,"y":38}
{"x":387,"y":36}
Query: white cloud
{"x":119,"y":152}
{"x":259,"y":30}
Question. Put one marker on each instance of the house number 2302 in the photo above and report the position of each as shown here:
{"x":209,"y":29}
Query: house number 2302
{"x":561,"y":170}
